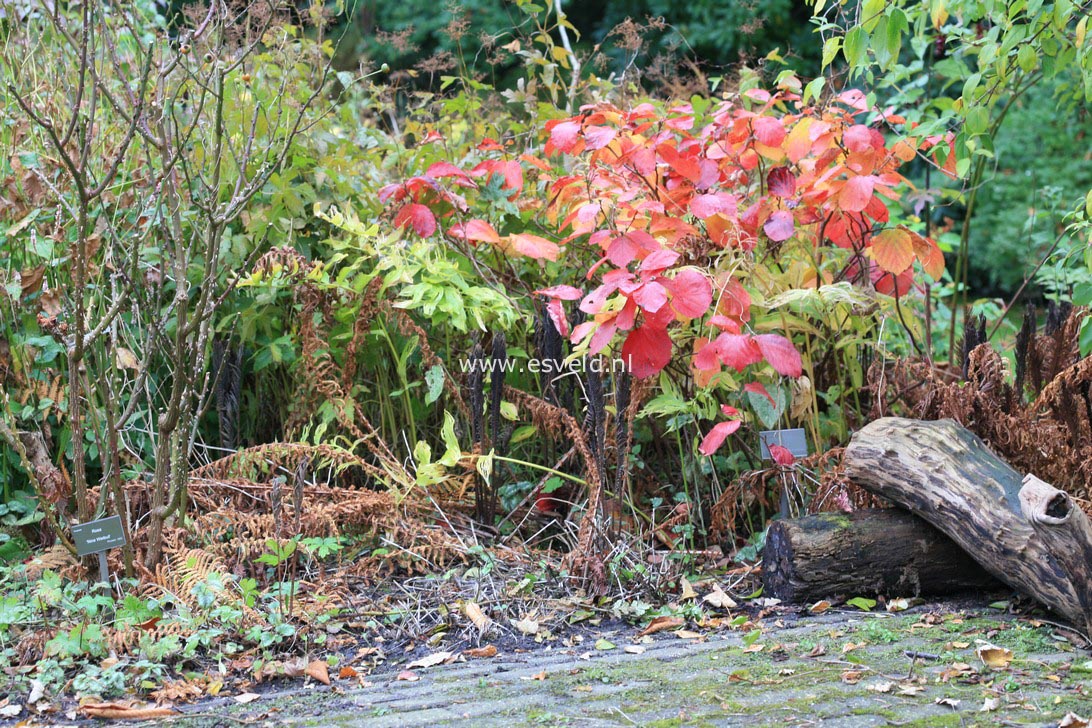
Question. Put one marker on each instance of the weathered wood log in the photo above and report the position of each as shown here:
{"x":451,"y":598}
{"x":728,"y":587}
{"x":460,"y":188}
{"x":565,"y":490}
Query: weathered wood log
{"x":945,"y":474}
{"x":867,"y":552}
{"x":1065,"y":529}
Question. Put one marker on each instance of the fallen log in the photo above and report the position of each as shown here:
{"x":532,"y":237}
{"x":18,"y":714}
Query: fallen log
{"x":1065,"y":529}
{"x":945,"y":474}
{"x":868,"y":552}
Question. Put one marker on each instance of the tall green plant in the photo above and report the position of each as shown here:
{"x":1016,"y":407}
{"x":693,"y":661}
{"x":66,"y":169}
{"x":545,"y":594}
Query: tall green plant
{"x":962,"y":65}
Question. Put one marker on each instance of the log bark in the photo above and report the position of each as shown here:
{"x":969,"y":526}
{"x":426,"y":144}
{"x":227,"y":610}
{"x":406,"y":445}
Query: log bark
{"x":867,"y":552}
{"x":945,"y":474}
{"x":1065,"y":529}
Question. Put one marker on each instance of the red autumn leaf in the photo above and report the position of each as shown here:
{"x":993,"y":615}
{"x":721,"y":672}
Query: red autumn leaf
{"x":564,"y":135}
{"x":509,"y":169}
{"x":658,"y":261}
{"x":565,"y":293}
{"x":759,"y":389}
{"x":647,"y":351}
{"x":707,"y":205}
{"x":781,"y":354}
{"x":856,"y":193}
{"x":418,"y":217}
{"x":716,"y":437}
{"x":534,"y":246}
{"x":555,"y":309}
{"x":651,"y":297}
{"x":779,"y":226}
{"x":691,"y":293}
{"x":781,"y":182}
{"x":769,"y":131}
{"x":447,"y":169}
{"x":858,"y":138}
{"x":477,"y":230}
{"x":734,"y":301}
{"x":782,"y":455}
{"x":737,"y":350}
{"x":597,"y":137}
{"x":893,"y":250}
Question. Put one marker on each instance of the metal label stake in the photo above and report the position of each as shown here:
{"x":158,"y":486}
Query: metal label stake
{"x":97,"y":537}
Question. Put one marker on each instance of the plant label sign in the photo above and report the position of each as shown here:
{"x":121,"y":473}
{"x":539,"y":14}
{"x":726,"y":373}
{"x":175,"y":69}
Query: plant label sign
{"x":95,"y":536}
{"x":795,"y":441}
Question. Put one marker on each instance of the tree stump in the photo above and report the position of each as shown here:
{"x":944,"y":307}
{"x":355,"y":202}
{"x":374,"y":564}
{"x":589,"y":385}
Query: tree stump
{"x":867,"y":552}
{"x":945,"y":474}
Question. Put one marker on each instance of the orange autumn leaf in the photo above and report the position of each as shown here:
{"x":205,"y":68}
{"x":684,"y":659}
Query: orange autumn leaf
{"x":893,"y":250}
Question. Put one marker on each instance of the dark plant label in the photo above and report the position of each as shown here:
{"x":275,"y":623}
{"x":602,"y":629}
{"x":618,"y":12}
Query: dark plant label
{"x":100,"y":535}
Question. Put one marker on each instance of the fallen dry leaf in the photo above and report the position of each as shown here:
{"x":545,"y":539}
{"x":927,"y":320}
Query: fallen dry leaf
{"x":526,"y":626}
{"x":719,"y":599}
{"x":436,"y":658}
{"x":480,"y":652}
{"x":956,"y":669}
{"x":819,"y":607}
{"x":347,"y":672}
{"x":536,"y":676}
{"x":880,"y":687}
{"x":11,"y":710}
{"x":756,"y":647}
{"x":990,"y":704}
{"x":851,"y":677}
{"x":818,"y":651}
{"x":1072,"y":720}
{"x":950,"y":702}
{"x":686,"y":634}
{"x":477,"y":617}
{"x":318,"y":670}
{"x":37,"y":691}
{"x":124,"y":711}
{"x":898,"y":605}
{"x":634,"y":649}
{"x":961,"y":645}
{"x":994,"y":657}
{"x":850,"y":646}
{"x":407,"y":676}
{"x":244,"y":698}
{"x":910,"y":691}
{"x":686,"y":591}
{"x":660,"y":624}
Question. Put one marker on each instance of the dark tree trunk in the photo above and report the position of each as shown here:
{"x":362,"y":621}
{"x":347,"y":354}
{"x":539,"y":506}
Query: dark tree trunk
{"x":867,"y":552}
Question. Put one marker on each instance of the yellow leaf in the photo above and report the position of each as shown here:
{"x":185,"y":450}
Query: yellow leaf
{"x":994,"y":657}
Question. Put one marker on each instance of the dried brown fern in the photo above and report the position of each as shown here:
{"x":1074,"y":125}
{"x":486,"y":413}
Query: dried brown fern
{"x":1051,"y":436}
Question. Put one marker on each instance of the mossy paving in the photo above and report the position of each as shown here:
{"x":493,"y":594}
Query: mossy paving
{"x":837,"y":669}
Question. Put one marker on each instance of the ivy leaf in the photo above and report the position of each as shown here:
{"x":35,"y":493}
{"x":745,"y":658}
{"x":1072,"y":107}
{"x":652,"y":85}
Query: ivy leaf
{"x":893,"y":250}
{"x":647,"y":350}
